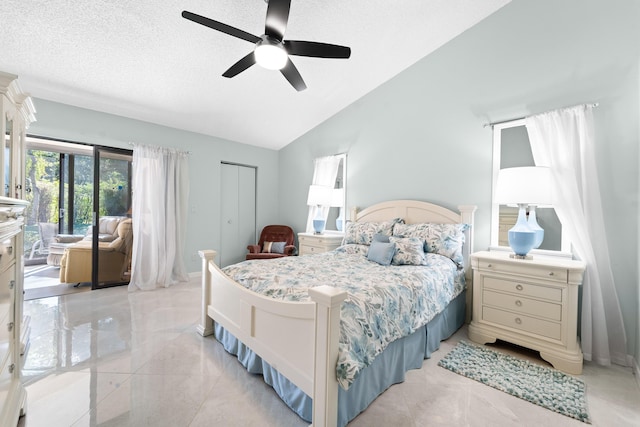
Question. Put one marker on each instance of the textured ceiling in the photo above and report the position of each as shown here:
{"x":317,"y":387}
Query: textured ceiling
{"x":141,"y":59}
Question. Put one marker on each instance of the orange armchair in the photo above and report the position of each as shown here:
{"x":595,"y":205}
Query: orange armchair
{"x":275,"y":241}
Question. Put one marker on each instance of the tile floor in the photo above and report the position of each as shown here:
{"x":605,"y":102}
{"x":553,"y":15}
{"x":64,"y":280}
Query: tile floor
{"x":114,"y":358}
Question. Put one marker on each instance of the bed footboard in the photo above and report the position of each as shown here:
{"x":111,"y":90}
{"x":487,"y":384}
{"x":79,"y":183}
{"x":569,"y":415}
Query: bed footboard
{"x":299,"y":339}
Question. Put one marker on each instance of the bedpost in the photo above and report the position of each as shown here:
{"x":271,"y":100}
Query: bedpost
{"x":325,"y":383}
{"x":206,"y":323}
{"x":467,"y":215}
{"x":353,"y":214}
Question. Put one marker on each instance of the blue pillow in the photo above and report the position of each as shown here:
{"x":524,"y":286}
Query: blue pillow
{"x":381,"y":252}
{"x":380,"y":237}
{"x":273,"y":247}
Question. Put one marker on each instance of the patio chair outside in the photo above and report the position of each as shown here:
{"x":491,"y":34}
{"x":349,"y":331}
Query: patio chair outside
{"x":47,"y":231}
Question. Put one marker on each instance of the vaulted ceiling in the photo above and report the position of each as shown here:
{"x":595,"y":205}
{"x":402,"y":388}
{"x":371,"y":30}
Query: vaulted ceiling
{"x":141,"y":59}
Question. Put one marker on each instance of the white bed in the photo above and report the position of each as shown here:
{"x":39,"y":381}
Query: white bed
{"x":300,"y":340}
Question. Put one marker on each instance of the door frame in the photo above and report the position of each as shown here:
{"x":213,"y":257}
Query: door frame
{"x":97,"y":150}
{"x":255,"y":203}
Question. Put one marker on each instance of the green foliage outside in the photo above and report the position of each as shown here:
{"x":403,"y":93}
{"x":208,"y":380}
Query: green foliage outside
{"x":43,"y":186}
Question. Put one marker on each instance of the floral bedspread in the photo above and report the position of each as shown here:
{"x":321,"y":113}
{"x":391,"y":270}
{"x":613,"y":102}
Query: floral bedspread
{"x":384,"y":303}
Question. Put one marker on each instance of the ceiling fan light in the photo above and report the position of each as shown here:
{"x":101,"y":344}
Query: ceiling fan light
{"x":271,"y":56}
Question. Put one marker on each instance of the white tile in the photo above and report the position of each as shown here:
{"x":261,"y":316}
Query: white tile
{"x":118,"y":358}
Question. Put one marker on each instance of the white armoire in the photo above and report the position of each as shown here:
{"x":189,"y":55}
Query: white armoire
{"x":17,"y":112}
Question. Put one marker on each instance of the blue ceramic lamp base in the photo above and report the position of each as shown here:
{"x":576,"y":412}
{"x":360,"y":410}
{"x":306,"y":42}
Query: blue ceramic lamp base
{"x":318,"y":226}
{"x":521,"y":237}
{"x":533,"y":224}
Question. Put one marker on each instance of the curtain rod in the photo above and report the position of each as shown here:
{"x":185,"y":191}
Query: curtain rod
{"x":593,"y":104}
{"x":188,"y":152}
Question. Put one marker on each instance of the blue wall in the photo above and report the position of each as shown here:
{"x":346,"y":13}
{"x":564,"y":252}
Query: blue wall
{"x":203,"y":229}
{"x":421,"y":134}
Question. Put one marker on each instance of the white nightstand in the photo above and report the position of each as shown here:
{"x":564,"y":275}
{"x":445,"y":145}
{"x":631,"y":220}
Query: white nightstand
{"x":532,"y":303}
{"x":316,"y":243}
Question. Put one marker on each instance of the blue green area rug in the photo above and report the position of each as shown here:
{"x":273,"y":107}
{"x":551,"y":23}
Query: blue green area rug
{"x":537,"y":384}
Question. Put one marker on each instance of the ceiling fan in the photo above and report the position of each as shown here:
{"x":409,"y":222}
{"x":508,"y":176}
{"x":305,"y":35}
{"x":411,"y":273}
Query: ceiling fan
{"x":271,"y":50}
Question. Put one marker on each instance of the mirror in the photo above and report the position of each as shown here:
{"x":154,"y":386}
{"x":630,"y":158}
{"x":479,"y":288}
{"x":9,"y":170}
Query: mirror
{"x":337,"y":213}
{"x":512,"y":149}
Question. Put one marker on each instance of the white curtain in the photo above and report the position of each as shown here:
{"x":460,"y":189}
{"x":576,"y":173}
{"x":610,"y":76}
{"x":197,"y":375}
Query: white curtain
{"x":160,"y":197}
{"x":325,"y":171}
{"x":564,"y":141}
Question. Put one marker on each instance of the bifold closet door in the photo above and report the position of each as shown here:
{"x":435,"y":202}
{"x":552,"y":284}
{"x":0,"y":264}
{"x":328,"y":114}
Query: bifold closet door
{"x":238,"y":212}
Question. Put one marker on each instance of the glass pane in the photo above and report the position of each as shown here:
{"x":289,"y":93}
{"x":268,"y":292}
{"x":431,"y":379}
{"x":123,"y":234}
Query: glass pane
{"x":515,"y":151}
{"x":42,"y":187}
{"x":115,"y":231}
{"x":81,"y":211}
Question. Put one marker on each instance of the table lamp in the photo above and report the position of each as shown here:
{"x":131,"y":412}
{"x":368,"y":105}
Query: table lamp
{"x":319,"y":196}
{"x":337,"y":201}
{"x":523,"y":187}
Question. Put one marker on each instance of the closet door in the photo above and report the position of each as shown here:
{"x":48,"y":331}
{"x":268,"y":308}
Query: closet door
{"x":238,"y":212}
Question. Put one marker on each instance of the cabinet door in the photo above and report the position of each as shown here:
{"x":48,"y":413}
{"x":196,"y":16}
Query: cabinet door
{"x":238,"y":212}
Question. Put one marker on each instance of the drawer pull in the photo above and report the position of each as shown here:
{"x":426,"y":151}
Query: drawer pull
{"x":519,"y":303}
{"x":10,"y":326}
{"x":551,"y":273}
{"x":489,"y":265}
{"x":12,"y":284}
{"x":518,"y":321}
{"x":10,"y":250}
{"x":519,"y":287}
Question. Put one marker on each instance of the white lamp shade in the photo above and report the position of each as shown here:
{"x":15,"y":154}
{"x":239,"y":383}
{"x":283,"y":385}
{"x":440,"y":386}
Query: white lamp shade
{"x":524,"y":185}
{"x":319,"y":195}
{"x":337,"y":197}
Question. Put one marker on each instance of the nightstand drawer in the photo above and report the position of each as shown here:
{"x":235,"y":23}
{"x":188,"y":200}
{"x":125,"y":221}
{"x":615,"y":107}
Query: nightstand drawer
{"x":319,"y":240}
{"x":522,"y":305}
{"x":557,"y":274}
{"x":521,"y":288}
{"x":318,"y":243}
{"x":524,"y":323}
{"x":309,"y":249}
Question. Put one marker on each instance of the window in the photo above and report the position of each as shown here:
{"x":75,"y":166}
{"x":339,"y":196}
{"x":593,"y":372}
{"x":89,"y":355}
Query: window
{"x":331,"y":171}
{"x":511,"y":148}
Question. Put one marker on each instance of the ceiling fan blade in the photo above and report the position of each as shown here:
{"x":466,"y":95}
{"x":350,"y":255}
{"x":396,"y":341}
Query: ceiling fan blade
{"x":277,"y":17}
{"x":240,"y":66}
{"x":228,"y":29}
{"x":290,"y":72}
{"x":316,"y":49}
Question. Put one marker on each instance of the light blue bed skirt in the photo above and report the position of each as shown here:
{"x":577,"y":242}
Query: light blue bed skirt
{"x":387,"y":369}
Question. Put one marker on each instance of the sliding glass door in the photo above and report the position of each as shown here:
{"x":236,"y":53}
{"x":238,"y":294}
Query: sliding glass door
{"x":59,"y":186}
{"x":80,"y":200}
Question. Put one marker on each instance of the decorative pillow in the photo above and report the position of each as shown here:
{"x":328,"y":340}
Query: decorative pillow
{"x":442,"y":239}
{"x":273,"y":247}
{"x":101,"y":237}
{"x":381,"y":252}
{"x":67,"y":238}
{"x":409,"y":251}
{"x":379,"y":237}
{"x":362,"y":233}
